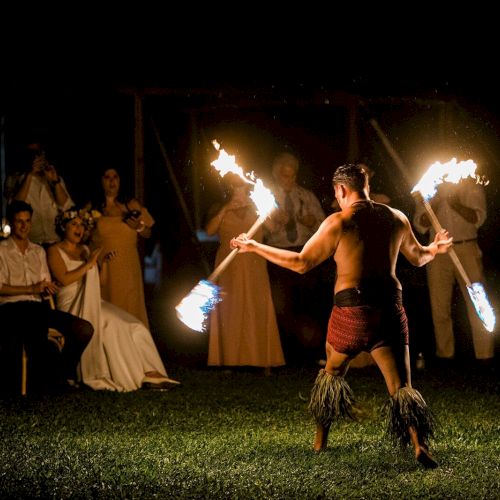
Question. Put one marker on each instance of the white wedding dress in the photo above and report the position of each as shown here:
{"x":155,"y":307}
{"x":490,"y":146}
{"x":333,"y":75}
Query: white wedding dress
{"x":121,"y":349}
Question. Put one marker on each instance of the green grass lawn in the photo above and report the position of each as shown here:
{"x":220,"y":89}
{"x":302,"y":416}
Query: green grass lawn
{"x":242,"y":435}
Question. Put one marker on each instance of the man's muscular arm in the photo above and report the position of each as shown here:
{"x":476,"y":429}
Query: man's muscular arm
{"x":418,"y":254}
{"x":320,"y":246}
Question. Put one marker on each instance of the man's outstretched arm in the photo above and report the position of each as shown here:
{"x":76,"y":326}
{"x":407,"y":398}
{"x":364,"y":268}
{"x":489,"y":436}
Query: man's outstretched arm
{"x":320,"y":246}
{"x":418,"y":254}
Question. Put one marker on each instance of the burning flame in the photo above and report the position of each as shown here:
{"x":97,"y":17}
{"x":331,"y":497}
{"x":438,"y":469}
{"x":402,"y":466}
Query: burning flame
{"x":451,"y":171}
{"x":260,"y":195}
{"x":482,"y":305}
{"x":193,"y":309}
{"x":454,"y":172}
{"x":226,"y":163}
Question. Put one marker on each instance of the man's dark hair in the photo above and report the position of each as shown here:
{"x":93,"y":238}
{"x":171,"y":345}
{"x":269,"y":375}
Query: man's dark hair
{"x":17,"y":206}
{"x":352,"y":175}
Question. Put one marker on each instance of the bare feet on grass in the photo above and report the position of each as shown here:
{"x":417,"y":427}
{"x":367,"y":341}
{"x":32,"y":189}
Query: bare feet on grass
{"x":321,"y":438}
{"x":421,"y":451}
{"x":425,"y":458}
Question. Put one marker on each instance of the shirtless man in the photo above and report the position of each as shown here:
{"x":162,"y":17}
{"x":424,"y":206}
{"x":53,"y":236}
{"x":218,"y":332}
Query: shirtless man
{"x":365,"y":239}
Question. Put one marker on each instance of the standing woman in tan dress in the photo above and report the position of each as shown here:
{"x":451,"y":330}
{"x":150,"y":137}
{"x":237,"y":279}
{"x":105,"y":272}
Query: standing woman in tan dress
{"x":118,"y":228}
{"x":243,"y":327}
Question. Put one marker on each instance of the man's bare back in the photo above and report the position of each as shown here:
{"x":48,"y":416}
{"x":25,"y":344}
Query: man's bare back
{"x":369,"y":244}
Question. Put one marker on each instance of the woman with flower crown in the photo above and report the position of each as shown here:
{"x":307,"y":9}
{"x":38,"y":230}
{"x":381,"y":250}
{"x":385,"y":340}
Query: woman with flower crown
{"x":122,"y":355}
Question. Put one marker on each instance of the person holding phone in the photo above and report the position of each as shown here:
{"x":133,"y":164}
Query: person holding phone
{"x":44,"y":189}
{"x":121,"y":223}
{"x":122,"y":355}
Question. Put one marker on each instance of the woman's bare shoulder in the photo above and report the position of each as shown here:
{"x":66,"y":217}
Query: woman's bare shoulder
{"x":53,"y":248}
{"x":134,"y":204}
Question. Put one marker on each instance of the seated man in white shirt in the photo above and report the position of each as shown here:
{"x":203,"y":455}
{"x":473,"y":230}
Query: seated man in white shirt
{"x":45,"y":191}
{"x":24,"y":279}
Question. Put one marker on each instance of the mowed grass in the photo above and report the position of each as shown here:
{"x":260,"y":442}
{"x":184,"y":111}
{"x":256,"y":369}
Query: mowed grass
{"x":243,"y":435}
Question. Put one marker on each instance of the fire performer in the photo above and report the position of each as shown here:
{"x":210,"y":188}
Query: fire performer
{"x":365,"y":239}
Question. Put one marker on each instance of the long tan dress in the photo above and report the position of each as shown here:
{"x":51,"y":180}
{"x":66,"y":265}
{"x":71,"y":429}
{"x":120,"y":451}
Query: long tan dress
{"x":243,"y":328}
{"x":121,"y":277}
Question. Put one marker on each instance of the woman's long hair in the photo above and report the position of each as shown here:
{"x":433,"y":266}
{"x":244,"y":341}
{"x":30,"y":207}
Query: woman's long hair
{"x":98,"y":200}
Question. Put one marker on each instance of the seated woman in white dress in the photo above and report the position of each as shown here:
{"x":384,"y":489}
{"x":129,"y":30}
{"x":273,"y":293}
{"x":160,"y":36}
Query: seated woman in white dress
{"x":122,"y":355}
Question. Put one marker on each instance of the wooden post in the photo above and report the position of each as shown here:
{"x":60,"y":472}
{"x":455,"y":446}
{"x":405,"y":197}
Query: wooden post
{"x":437,"y":227}
{"x":195,"y":173}
{"x":139,"y":147}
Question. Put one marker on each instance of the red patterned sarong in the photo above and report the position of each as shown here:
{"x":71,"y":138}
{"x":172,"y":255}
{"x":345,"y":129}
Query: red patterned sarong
{"x":353,"y":329}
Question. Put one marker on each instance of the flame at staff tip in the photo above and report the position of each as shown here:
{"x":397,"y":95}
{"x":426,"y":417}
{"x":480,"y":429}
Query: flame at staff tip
{"x":482,"y":305}
{"x":263,"y":199}
{"x":451,"y":171}
{"x":194,"y":308}
{"x":226,"y":163}
{"x":260,"y":195}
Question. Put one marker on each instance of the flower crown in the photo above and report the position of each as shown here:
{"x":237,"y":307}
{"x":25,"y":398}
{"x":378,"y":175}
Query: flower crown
{"x":88,"y":217}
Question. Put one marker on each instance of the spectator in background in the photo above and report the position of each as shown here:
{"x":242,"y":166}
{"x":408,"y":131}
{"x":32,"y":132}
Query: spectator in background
{"x":44,"y":189}
{"x":24,"y":279}
{"x":153,"y":268}
{"x":243,"y":328}
{"x":296,"y":297}
{"x":461,"y":208}
{"x":122,"y":222}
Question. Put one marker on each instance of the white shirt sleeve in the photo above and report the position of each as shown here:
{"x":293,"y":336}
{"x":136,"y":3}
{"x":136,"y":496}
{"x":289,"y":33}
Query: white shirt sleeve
{"x":69,"y":202}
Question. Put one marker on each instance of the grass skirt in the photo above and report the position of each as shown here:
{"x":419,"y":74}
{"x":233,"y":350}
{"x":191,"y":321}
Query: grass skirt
{"x":407,"y":408}
{"x":331,"y":399}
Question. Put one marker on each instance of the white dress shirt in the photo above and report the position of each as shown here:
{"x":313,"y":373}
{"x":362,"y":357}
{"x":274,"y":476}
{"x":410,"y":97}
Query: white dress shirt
{"x":45,"y":210}
{"x":22,"y":269}
{"x":470,"y":195}
{"x":304,"y":203}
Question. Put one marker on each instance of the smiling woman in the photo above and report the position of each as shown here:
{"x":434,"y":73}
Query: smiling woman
{"x":122,"y":355}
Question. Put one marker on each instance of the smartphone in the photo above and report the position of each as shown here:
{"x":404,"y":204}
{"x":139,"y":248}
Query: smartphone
{"x":132,"y":213}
